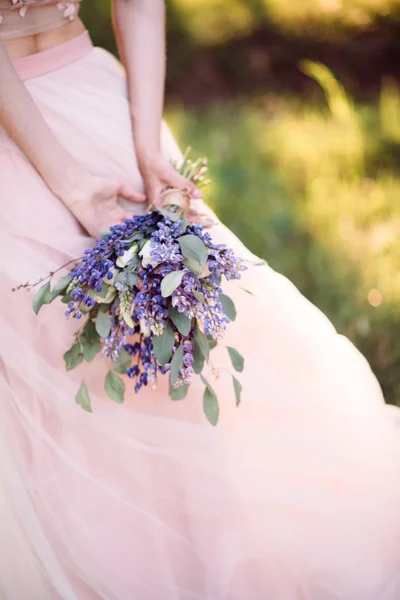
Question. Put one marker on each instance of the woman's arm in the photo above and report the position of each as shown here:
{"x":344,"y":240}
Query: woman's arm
{"x":93,"y":199}
{"x":140,"y":32}
{"x":23,"y":122}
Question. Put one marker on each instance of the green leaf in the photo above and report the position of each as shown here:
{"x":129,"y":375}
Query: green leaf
{"x":125,"y":280}
{"x":210,"y":407}
{"x":114,"y":387}
{"x":72,"y":285}
{"x":202,"y":342}
{"x":90,"y":349}
{"x":193,"y":247}
{"x":211,"y":342}
{"x":103,"y":308}
{"x":228,"y":306}
{"x":73,"y":357}
{"x":236,"y":359}
{"x":237,"y":386}
{"x":123,"y":363}
{"x":120,"y":282}
{"x":181,"y":321}
{"x":67,"y":298}
{"x":178,"y":393}
{"x":171,"y":282}
{"x":83,"y":399}
{"x":198,"y":359}
{"x":199,"y":297}
{"x":136,"y":236}
{"x":104,"y":292}
{"x":208,"y":385}
{"x":89,"y":333}
{"x":132,"y":279}
{"x":169,"y":214}
{"x":210,"y":403}
{"x":176,"y":365}
{"x":60,"y":287}
{"x":193,"y":265}
{"x":163,"y":345}
{"x":42,"y":296}
{"x":103,"y":324}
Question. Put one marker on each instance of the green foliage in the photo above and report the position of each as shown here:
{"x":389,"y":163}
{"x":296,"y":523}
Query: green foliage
{"x":82,"y":398}
{"x":115,"y":387}
{"x":176,"y":364}
{"x":170,"y":282}
{"x":123,"y":363}
{"x":228,"y":306}
{"x":60,"y":287}
{"x":216,"y":22}
{"x":210,"y":403}
{"x":312,"y":189}
{"x":42,"y":296}
{"x":321,"y":187}
{"x":163,"y":345}
{"x":237,"y":386}
{"x":179,"y":393}
{"x":202,"y":343}
{"x":193,"y":248}
{"x":181,"y":321}
{"x":73,"y":357}
{"x":103,"y":324}
{"x":237,"y":359}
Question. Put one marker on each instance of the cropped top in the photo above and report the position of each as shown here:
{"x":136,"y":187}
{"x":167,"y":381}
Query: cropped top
{"x":19,"y":18}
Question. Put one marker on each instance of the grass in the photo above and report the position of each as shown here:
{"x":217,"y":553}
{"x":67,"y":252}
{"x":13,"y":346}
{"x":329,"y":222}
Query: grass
{"x":315,"y":191}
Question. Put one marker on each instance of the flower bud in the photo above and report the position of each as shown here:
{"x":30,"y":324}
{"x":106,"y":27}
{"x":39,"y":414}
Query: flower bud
{"x":127,"y":256}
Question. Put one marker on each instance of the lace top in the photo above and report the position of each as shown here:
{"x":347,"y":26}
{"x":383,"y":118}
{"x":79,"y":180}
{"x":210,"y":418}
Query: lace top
{"x":19,"y":18}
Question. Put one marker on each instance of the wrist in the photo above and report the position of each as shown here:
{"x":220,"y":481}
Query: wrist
{"x":63,"y":184}
{"x":147,"y":156}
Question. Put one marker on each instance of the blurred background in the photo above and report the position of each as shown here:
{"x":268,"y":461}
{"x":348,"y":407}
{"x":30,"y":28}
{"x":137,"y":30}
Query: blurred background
{"x":297,"y":105}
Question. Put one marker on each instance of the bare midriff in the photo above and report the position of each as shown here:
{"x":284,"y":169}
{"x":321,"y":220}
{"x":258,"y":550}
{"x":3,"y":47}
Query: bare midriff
{"x":31,"y":44}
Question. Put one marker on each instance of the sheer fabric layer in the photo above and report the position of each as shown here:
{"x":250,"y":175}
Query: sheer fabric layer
{"x":293,"y":496}
{"x":21,"y":18}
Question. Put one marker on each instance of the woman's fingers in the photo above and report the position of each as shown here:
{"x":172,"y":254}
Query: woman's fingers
{"x":154,"y":191}
{"x":128,"y":192}
{"x":178,"y":181}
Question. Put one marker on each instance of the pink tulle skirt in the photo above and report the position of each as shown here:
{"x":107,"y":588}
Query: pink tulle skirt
{"x":295,"y":495}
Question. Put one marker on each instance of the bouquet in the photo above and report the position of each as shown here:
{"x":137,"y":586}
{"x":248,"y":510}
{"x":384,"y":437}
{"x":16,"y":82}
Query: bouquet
{"x":150,"y":299}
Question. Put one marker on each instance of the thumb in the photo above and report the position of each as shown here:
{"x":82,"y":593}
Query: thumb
{"x":181,"y":182}
{"x":128,"y":192}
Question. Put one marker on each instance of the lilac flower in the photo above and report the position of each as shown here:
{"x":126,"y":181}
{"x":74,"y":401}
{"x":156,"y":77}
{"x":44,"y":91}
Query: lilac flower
{"x":123,"y":273}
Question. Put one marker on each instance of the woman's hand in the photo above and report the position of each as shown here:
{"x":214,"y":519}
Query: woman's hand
{"x":159,"y":174}
{"x":93,"y":200}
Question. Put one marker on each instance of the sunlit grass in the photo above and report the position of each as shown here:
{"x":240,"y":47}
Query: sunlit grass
{"x":314,"y":191}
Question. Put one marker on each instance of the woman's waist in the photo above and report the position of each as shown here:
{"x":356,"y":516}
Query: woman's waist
{"x":28,"y":45}
{"x":31,"y":26}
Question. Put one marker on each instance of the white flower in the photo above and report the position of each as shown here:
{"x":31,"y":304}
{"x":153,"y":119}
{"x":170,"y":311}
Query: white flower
{"x":144,"y":328}
{"x":145,"y":253}
{"x":111,"y":293}
{"x":127,"y":256}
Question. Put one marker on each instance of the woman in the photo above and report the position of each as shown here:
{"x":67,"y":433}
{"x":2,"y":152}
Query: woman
{"x":293,"y":496}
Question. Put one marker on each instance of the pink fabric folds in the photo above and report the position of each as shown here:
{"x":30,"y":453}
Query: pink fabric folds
{"x":295,"y":495}
{"x":55,"y":58}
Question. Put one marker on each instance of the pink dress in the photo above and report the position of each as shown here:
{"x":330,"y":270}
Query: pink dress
{"x":295,"y":495}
